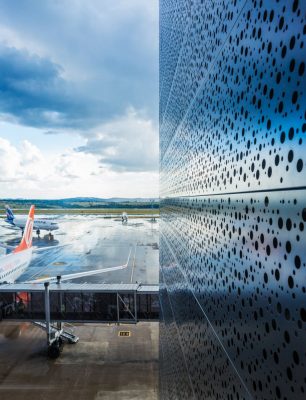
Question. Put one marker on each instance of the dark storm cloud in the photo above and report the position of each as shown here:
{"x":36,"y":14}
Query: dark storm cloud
{"x":77,"y":63}
{"x":82,"y":67}
{"x":32,"y":91}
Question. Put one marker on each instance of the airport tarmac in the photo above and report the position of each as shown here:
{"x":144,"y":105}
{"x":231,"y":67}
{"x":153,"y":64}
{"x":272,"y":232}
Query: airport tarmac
{"x":102,"y":365}
{"x":93,"y":242}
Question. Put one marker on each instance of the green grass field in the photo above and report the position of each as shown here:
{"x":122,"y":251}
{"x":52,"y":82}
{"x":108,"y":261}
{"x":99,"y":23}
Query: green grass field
{"x":137,"y":213}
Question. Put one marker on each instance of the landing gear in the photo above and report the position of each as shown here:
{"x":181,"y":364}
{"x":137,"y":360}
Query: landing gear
{"x":38,"y":232}
{"x":55,"y":348}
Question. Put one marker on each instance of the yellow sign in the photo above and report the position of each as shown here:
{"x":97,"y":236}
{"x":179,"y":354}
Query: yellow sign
{"x":124,"y":333}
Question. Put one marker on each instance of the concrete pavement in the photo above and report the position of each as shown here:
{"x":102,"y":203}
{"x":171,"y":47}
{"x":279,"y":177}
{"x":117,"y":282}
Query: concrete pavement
{"x":101,"y":366}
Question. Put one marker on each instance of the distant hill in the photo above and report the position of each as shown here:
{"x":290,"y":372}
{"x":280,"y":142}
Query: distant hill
{"x":111,"y":199}
{"x":83,"y":202}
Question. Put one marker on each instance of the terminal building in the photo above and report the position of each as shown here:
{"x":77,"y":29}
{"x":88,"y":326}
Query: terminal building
{"x":233,"y":199}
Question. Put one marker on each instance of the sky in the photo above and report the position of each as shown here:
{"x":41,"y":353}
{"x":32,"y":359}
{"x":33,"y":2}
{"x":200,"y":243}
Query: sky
{"x":78,"y":98}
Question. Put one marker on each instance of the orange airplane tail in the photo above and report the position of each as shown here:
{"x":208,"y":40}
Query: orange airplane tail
{"x":26,"y":241}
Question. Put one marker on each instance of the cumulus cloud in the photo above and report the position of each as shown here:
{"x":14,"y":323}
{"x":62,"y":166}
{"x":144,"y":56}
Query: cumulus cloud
{"x":26,"y":170}
{"x":73,"y":165}
{"x":127,"y":143}
{"x":30,"y":154}
{"x":25,"y":163}
{"x":10,"y":161}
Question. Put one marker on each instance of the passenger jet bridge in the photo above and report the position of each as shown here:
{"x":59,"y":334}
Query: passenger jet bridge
{"x":70,"y":302}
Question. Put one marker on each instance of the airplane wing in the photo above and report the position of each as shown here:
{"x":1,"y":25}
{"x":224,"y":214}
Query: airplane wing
{"x":81,"y":274}
{"x":44,"y":248}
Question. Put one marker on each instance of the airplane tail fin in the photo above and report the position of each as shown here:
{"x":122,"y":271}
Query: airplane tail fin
{"x":9,"y":214}
{"x":26,"y":241}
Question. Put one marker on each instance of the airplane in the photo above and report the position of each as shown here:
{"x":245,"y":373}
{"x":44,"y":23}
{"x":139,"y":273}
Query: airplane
{"x":13,"y":265}
{"x":19,"y":222}
{"x":124,"y":218}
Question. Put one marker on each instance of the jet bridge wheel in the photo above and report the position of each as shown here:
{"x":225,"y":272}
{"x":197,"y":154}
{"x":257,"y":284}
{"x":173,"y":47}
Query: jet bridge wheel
{"x":55,"y":349}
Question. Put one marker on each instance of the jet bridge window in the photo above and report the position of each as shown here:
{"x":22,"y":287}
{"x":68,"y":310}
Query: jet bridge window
{"x":83,"y":306}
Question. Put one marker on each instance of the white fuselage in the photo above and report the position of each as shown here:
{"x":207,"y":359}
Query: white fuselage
{"x":39,"y":224}
{"x":13,"y":265}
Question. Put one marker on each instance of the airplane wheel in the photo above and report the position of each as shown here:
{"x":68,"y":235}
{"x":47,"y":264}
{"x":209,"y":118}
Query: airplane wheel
{"x":61,"y":344}
{"x":54,"y":350}
{"x":38,"y":232}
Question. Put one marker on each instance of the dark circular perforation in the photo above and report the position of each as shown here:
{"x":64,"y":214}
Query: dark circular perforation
{"x":245,"y":128}
{"x":245,"y":261}
{"x":233,"y":208}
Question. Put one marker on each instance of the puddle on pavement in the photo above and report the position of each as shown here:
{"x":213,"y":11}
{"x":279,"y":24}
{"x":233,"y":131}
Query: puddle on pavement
{"x":94,"y":243}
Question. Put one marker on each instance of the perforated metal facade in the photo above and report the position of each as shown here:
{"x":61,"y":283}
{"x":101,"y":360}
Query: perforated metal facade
{"x":233,"y":199}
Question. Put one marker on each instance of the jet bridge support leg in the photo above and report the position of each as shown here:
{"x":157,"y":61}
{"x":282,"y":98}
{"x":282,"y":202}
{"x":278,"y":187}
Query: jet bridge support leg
{"x":55,"y":334}
{"x":135,"y":305}
{"x":47,"y":313}
{"x":58,"y":282}
{"x":54,"y":341}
